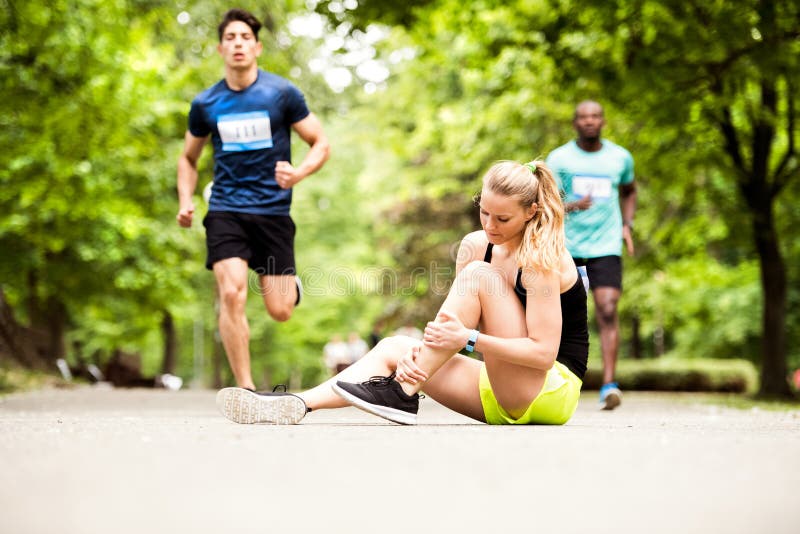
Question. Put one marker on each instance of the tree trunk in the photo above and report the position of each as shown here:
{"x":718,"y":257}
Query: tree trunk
{"x":18,"y":341}
{"x":759,"y":195}
{"x":33,"y":305}
{"x":170,"y":343}
{"x":56,"y":325}
{"x":636,"y":339}
{"x":49,"y":317}
{"x":773,"y":284}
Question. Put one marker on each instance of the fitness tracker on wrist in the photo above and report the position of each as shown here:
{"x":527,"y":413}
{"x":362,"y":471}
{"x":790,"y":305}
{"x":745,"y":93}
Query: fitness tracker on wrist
{"x":473,"y":338}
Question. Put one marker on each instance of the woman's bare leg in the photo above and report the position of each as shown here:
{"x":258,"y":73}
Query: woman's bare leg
{"x":380,"y":361}
{"x":455,"y":385}
{"x":480,"y":294}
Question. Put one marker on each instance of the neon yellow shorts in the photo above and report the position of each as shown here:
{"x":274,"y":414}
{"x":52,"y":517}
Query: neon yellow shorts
{"x":554,"y":405}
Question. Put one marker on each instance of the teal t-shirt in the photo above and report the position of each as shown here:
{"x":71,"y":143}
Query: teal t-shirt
{"x":597,"y":231}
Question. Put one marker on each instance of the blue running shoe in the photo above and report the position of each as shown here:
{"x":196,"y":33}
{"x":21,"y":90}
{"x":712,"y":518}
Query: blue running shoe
{"x":610,"y":396}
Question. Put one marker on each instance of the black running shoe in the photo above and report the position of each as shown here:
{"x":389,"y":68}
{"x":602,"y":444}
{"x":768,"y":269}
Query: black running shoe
{"x":247,"y":407}
{"x":382,"y":396}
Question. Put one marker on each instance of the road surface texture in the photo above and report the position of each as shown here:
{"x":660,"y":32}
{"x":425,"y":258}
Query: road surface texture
{"x":94,"y":460}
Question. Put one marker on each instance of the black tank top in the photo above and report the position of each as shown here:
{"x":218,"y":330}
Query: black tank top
{"x":573,"y":350}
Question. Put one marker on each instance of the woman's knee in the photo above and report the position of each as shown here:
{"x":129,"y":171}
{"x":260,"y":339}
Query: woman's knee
{"x":481,"y":276}
{"x":479,"y":268}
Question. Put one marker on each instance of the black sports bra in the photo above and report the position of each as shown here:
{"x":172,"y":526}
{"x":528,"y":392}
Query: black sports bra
{"x":573,"y":350}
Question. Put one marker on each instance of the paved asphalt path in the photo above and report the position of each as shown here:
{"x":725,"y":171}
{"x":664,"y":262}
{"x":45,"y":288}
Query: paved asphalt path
{"x":95,"y":460}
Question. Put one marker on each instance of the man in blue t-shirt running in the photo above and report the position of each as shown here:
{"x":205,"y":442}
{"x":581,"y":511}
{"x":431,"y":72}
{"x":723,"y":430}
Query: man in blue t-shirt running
{"x":597,"y":177}
{"x":249,"y":116}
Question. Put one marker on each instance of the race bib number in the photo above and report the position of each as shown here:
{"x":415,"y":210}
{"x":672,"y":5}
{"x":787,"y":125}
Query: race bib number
{"x":597,"y":187}
{"x":245,"y":131}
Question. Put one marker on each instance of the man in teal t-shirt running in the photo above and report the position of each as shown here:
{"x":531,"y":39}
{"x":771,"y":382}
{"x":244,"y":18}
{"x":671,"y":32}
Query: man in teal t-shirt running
{"x":597,"y":177}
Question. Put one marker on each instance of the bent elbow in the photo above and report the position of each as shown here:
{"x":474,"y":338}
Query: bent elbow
{"x":550,"y":360}
{"x":547,"y":358}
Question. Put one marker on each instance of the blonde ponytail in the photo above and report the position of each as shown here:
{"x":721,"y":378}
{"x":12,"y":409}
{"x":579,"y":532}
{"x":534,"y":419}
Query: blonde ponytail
{"x":544,"y":242}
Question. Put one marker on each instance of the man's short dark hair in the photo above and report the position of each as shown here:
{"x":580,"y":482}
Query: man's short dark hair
{"x":240,"y":15}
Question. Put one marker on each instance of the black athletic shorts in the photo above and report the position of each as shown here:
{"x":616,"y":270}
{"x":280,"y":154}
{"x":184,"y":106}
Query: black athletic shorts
{"x":605,"y":271}
{"x":266,"y":242}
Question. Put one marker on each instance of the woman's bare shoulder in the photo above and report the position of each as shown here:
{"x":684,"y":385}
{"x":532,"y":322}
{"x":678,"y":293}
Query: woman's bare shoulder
{"x":567,"y":263}
{"x":564,"y":276}
{"x":569,"y":273}
{"x":473,"y":246}
{"x":477,"y":237}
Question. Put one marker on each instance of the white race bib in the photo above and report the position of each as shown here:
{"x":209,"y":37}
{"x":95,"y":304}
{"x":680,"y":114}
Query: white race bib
{"x":245,"y":131}
{"x":597,"y":187}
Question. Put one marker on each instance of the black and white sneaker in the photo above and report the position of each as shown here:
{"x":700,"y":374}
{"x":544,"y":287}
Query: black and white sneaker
{"x":382,"y":396}
{"x":248,"y":407}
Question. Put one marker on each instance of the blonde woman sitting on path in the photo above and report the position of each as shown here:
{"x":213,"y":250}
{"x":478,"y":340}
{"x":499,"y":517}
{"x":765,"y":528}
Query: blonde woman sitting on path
{"x":517,"y":298}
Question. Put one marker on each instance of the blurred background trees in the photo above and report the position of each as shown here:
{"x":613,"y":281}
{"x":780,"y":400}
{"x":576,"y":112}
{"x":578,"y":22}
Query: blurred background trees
{"x":418,"y":99}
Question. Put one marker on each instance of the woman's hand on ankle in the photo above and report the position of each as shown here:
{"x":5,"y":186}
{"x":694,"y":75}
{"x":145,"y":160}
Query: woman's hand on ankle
{"x":407,"y":369}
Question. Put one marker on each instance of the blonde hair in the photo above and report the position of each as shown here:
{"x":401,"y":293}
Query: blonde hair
{"x":543,"y":242}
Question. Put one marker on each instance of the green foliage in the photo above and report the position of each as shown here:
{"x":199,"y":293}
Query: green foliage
{"x":15,"y":379}
{"x":749,"y":402}
{"x":371,"y":11}
{"x":705,"y":307}
{"x":484,"y":98}
{"x":721,"y":78}
{"x":86,"y":177}
{"x":501,"y":81}
{"x":680,"y":374}
{"x":95,"y":96}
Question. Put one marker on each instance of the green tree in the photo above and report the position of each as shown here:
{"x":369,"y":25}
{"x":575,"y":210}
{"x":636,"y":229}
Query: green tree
{"x":703,"y":95}
{"x":724,"y":73}
{"x":83,"y":174}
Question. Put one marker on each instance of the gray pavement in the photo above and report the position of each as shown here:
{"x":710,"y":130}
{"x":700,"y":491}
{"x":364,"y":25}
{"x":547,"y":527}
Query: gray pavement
{"x":93,"y":460}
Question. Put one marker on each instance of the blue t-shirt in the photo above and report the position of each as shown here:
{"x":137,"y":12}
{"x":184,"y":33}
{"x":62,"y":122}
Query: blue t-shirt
{"x":597,"y":231}
{"x":250,"y":131}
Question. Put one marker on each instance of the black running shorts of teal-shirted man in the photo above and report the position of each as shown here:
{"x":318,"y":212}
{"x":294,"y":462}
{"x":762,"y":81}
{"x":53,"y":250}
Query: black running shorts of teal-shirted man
{"x":605,"y":271}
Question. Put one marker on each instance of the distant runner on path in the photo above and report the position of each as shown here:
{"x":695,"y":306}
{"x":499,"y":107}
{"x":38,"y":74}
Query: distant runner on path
{"x":597,"y":177}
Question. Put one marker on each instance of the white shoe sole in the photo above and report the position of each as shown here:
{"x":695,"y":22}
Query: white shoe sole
{"x":612,"y":400}
{"x":392,"y":414}
{"x":245,"y":407}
